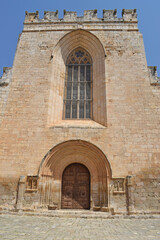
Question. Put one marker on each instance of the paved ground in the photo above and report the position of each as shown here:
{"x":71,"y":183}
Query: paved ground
{"x":58,"y":228}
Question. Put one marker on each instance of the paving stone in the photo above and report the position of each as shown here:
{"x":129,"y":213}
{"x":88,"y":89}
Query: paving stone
{"x":54,"y":228}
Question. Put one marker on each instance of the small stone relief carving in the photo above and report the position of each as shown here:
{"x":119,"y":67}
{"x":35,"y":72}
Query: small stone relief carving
{"x":118,"y":185}
{"x":32,"y":183}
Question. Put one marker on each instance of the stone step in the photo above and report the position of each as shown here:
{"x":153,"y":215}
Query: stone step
{"x":80,"y":213}
{"x":60,"y":213}
{"x":77,"y":214}
{"x":71,"y":213}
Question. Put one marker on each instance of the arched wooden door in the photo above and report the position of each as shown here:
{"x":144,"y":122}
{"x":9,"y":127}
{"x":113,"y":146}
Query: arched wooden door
{"x":76,"y":187}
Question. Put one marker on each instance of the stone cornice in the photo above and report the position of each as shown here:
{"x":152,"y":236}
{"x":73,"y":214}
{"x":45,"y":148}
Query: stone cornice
{"x":89,"y":26}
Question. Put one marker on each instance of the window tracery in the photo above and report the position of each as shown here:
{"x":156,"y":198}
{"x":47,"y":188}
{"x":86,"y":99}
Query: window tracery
{"x":78,"y":86}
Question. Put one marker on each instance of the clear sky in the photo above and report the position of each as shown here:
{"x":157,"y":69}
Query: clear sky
{"x":12,"y":13}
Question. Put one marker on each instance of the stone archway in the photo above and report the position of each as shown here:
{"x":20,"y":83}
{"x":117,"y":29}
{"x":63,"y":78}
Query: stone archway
{"x":59,"y":158}
{"x":75,"y":187}
{"x":57,"y":71}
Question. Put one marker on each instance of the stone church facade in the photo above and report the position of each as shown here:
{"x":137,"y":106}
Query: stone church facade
{"x":80,"y":116}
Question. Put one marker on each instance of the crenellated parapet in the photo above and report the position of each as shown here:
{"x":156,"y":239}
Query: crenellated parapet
{"x":32,"y":17}
{"x":69,"y":16}
{"x":51,"y":16}
{"x":6,"y":77}
{"x":90,"y":15}
{"x":128,"y":15}
{"x":154,"y":79}
{"x":109,"y":15}
{"x":5,"y":83}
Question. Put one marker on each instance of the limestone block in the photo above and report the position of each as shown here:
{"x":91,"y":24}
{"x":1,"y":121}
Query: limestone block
{"x":129,"y":14}
{"x":70,"y":16}
{"x":90,"y":15}
{"x":31,"y":17}
{"x":51,"y":16}
{"x":109,"y":15}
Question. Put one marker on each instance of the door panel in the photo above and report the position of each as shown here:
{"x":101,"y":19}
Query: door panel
{"x":76,"y":187}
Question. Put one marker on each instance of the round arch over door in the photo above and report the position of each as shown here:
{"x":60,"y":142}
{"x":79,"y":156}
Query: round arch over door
{"x":62,"y":156}
{"x":75,"y":187}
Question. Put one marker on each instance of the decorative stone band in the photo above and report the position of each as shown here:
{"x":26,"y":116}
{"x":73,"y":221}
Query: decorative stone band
{"x":89,"y":15}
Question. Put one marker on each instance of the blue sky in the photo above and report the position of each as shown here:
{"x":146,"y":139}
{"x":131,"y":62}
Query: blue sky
{"x":12,"y":13}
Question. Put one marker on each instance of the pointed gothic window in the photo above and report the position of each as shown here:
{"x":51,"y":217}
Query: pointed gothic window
{"x":78,"y":86}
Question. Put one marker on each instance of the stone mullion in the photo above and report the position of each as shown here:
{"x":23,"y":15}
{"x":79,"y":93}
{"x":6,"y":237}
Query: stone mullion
{"x":72,"y":89}
{"x":85,"y":91}
{"x":91,"y":96}
{"x":65,"y":95}
{"x":78,"y":93}
{"x":91,"y":81}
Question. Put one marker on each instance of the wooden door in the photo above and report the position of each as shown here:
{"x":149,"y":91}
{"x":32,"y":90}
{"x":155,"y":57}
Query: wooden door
{"x":76,"y":187}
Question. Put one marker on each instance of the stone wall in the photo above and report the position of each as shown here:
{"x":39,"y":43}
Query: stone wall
{"x":4,"y":89}
{"x":125,"y":123}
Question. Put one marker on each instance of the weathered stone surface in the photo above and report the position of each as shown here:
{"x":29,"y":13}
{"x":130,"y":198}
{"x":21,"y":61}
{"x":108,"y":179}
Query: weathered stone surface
{"x":121,"y":139}
{"x":40,"y":227}
{"x":155,"y":80}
